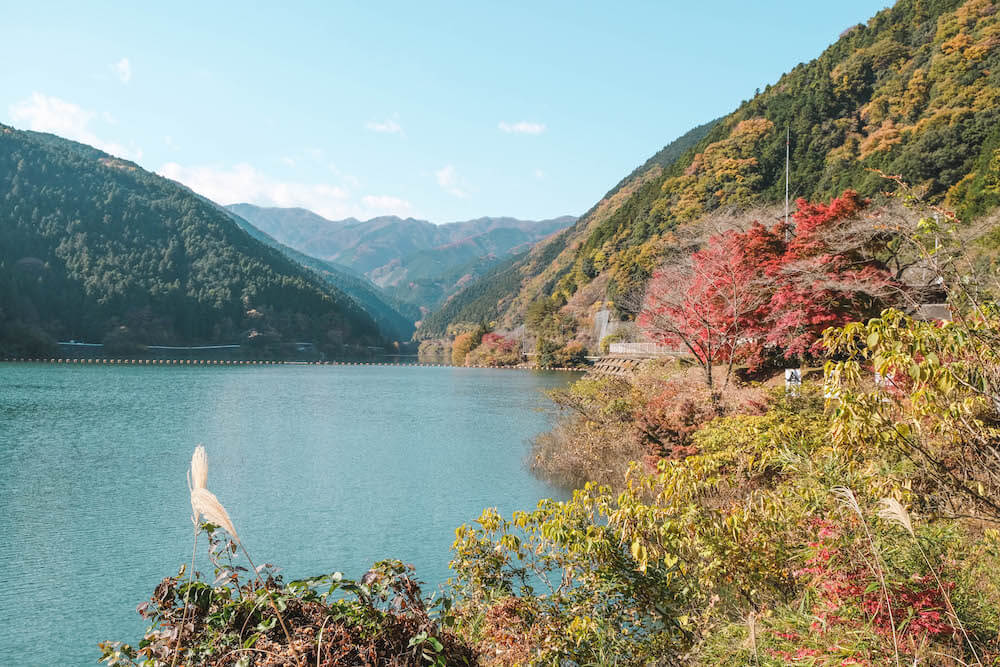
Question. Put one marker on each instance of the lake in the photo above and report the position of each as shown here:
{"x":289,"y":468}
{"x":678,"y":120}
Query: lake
{"x":322,"y":469}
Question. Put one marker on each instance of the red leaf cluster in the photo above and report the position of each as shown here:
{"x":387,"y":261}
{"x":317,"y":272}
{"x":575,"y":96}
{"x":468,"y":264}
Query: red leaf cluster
{"x":498,"y":343}
{"x":769,"y":290}
{"x":918,"y":605}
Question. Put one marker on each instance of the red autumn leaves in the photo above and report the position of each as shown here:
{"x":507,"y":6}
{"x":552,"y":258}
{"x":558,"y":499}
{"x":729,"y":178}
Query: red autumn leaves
{"x":770,"y":292}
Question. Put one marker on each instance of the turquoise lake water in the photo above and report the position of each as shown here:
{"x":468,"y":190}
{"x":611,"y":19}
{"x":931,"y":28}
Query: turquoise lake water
{"x":322,"y":469}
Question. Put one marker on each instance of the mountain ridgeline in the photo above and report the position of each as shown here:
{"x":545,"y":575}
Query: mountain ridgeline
{"x":914,"y":92}
{"x":395,"y":319}
{"x":94,"y":248}
{"x":414,"y":261}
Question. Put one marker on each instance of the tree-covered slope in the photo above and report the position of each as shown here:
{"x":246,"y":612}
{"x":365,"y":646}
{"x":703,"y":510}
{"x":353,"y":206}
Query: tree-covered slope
{"x":914,"y":92}
{"x":95,"y":247}
{"x":481,"y":302}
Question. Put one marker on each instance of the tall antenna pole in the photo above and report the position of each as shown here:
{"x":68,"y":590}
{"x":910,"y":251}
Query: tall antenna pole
{"x":787,"y":137}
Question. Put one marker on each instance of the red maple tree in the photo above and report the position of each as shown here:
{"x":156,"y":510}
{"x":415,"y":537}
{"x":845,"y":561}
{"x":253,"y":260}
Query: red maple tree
{"x":772,"y":291}
{"x":707,"y":304}
{"x":830,"y":273}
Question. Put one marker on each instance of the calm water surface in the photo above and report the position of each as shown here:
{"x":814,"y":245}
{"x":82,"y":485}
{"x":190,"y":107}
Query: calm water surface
{"x":322,"y":468}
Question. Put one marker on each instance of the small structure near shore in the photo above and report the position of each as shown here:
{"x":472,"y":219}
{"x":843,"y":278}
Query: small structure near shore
{"x":641,"y":350}
{"x":617,"y":365}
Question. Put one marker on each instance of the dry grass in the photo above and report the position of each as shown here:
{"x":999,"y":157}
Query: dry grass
{"x":204,"y":505}
{"x":848,"y":499}
{"x":574,"y":453}
{"x":894,"y":512}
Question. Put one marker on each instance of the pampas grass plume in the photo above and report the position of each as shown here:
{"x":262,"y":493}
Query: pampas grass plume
{"x":198,"y":474}
{"x":206,"y":505}
{"x":847,"y":497}
{"x":203,"y":502}
{"x":894,"y":512}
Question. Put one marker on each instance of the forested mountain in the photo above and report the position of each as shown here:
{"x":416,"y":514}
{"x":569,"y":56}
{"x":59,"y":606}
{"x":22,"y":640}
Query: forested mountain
{"x":914,"y":92}
{"x":481,"y":301}
{"x":416,"y":261}
{"x":95,"y":248}
{"x":394,"y":319}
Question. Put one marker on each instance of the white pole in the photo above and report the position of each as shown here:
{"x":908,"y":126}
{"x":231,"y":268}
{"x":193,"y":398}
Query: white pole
{"x":787,"y":137}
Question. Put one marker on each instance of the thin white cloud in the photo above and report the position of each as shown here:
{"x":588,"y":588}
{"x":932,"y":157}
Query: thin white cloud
{"x":288,"y":161}
{"x":521,"y":127}
{"x":388,"y":205}
{"x":45,"y":113}
{"x":123,"y":68}
{"x":244,"y":183}
{"x":387,"y":126}
{"x":539,"y":175}
{"x":447,"y":177}
{"x":350,"y":179}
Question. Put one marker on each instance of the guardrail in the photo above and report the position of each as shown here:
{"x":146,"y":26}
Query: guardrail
{"x":645,"y":349}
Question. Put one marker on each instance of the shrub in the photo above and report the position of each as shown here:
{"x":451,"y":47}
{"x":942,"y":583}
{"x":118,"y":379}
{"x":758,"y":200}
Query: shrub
{"x":592,"y":440}
{"x":571,"y":355}
{"x":495,"y":350}
{"x":381,"y":619}
{"x":744,"y":528}
{"x":610,"y":421}
{"x":940,"y":409}
{"x":615,"y":337}
{"x":463,"y":344}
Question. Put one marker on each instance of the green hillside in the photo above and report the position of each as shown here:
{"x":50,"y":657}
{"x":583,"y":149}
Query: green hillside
{"x":915,"y":92}
{"x":97,"y":249}
{"x":482,"y":301}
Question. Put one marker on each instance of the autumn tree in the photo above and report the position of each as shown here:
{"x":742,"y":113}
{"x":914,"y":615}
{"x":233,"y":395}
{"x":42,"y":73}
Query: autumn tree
{"x":832,"y":267}
{"x":495,"y":350}
{"x":766,"y":292}
{"x":707,"y":304}
{"x":465,"y":343}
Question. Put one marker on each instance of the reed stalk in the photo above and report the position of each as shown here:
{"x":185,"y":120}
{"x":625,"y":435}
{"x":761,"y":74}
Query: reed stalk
{"x":894,"y":512}
{"x":848,"y":499}
{"x":204,"y":505}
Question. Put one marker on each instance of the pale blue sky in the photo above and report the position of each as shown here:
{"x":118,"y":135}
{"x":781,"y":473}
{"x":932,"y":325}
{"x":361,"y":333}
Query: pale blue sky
{"x":444,"y":111}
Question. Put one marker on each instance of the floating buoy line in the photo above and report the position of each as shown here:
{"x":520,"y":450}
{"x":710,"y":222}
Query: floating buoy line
{"x":255,"y":362}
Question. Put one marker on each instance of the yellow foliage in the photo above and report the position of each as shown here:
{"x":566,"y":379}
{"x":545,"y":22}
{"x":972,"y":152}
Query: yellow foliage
{"x":880,"y":140}
{"x":956,"y":44}
{"x":916,"y":95}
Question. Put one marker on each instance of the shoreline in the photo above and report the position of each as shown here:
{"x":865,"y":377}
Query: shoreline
{"x":69,"y":361}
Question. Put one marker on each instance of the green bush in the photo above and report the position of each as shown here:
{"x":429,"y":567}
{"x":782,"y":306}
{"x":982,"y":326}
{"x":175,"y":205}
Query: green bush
{"x":614,"y":337}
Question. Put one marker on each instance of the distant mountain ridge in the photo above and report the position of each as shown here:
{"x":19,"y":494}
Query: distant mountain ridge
{"x":415,"y":261}
{"x":395,"y":320}
{"x":503,"y":293}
